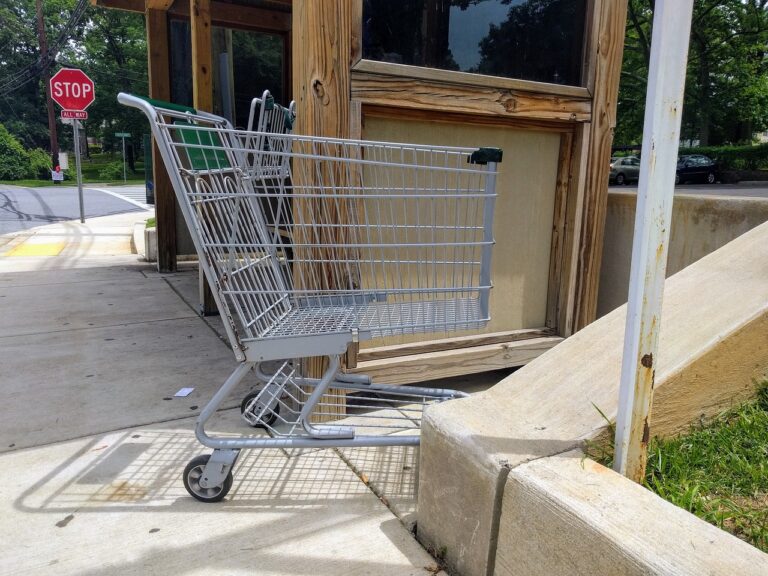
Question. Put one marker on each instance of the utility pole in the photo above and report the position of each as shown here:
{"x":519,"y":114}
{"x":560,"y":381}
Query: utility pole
{"x":46,"y":76}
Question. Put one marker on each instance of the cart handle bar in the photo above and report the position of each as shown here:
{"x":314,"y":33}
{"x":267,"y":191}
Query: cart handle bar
{"x":480,"y":156}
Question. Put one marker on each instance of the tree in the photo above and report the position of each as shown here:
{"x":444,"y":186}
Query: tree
{"x":539,"y":40}
{"x":113,"y":52}
{"x":23,"y":111}
{"x":108,"y":45}
{"x":726,"y":96}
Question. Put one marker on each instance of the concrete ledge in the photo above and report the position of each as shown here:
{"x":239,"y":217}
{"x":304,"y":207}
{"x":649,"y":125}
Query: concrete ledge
{"x":137,"y":239}
{"x":700,"y":225}
{"x":713,"y":347}
{"x":568,"y":515}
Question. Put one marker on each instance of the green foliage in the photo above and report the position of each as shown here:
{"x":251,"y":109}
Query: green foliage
{"x":257,"y":61}
{"x":539,"y":30}
{"x":14,"y":160}
{"x":39,"y":164}
{"x":726,"y":93}
{"x":108,"y":45}
{"x":111,"y":171}
{"x":734,"y":157}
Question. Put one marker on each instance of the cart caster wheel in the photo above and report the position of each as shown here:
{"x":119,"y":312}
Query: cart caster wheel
{"x":192,"y":474}
{"x":268,"y":418}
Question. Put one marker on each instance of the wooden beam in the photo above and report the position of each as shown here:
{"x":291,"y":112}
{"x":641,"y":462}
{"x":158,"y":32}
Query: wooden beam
{"x":322,"y":45}
{"x":159,"y":4}
{"x":606,"y":46}
{"x":557,"y":264}
{"x":356,"y":34}
{"x":160,"y":88}
{"x":468,"y":79}
{"x":443,"y":116}
{"x":457,"y":343}
{"x":424,"y":94}
{"x":128,"y":5}
{"x":447,"y":363}
{"x":222,"y":13}
{"x":572,"y":234}
{"x":202,"y":59}
{"x":202,"y":94}
{"x":239,"y":16}
{"x":321,"y":78}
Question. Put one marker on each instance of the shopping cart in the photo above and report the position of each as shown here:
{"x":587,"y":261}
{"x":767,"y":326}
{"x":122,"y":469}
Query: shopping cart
{"x":272,"y":118}
{"x":358,"y":240}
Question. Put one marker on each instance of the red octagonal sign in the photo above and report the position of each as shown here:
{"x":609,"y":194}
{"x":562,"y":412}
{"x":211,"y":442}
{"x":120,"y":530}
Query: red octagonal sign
{"x":72,"y":89}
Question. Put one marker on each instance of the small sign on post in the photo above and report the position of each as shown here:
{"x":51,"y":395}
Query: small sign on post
{"x":123,"y":136}
{"x":74,"y":92}
{"x":74,"y":115}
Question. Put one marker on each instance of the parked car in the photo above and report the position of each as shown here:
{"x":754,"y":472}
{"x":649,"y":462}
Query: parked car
{"x":624,"y":170}
{"x":696,"y":168}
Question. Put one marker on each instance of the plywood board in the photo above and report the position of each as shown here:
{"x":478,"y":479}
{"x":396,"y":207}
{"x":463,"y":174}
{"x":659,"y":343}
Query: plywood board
{"x":523,"y":219}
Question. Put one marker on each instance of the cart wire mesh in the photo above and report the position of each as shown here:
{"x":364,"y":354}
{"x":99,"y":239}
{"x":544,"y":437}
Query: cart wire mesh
{"x":371,"y":410}
{"x":371,"y":238}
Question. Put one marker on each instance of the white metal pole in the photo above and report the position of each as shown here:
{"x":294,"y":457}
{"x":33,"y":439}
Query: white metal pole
{"x":661,"y":138}
{"x":76,"y":127}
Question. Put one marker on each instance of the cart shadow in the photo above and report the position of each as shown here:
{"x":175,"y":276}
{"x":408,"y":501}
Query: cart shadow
{"x":141,"y":470}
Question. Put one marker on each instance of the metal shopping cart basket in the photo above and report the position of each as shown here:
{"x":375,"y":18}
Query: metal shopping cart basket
{"x":356,"y":240}
{"x":272,"y":118}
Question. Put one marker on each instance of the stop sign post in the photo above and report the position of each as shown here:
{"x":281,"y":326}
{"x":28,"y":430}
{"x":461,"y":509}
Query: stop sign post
{"x":74,"y":92}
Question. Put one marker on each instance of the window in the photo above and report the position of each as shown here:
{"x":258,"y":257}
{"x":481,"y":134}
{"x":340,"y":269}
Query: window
{"x":245,"y":64}
{"x":537,"y":40}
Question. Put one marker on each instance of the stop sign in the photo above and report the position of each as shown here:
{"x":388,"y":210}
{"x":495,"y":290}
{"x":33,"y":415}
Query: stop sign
{"x":72,"y":89}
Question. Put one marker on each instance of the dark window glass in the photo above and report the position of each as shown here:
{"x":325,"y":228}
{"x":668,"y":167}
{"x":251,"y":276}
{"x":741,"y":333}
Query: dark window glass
{"x":257,"y":63}
{"x":244,"y":65}
{"x":180,"y":54}
{"x":528,"y":39}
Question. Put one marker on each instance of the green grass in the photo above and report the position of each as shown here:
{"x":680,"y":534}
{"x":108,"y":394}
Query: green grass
{"x":151,"y":222}
{"x":718,"y":471}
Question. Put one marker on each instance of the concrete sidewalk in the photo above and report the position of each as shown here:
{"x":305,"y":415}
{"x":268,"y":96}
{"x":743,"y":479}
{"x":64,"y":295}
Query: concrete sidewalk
{"x":93,"y":346}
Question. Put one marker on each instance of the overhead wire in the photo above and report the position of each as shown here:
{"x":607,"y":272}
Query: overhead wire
{"x":44,"y":61}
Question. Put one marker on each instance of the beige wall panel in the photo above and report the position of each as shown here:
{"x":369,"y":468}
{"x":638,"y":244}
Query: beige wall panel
{"x":523,"y":219}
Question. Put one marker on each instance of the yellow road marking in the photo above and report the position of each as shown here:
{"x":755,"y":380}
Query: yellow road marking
{"x":35,"y":249}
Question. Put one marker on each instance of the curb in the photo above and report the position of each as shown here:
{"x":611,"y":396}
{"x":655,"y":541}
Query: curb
{"x":137,"y":239}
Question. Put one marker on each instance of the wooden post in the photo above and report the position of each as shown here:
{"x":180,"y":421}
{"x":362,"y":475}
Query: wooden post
{"x":605,"y":46}
{"x":321,"y":78}
{"x":160,"y":88}
{"x":202,"y":94}
{"x":322,"y":50}
{"x":561,"y":237}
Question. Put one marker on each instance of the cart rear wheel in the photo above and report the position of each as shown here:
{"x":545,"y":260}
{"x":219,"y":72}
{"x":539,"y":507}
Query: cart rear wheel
{"x":192,"y":474}
{"x":269,"y":416}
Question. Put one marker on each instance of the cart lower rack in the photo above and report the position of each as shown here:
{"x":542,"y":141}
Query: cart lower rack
{"x":349,"y":241}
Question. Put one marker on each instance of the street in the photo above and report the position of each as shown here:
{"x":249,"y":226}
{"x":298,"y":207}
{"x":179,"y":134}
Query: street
{"x":748,"y":189}
{"x":23,"y":208}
